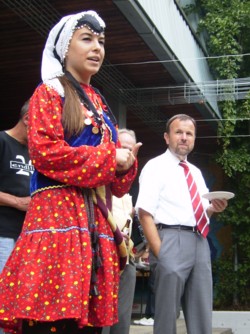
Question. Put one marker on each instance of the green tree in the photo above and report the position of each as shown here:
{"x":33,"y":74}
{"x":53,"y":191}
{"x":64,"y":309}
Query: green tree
{"x":227,"y":27}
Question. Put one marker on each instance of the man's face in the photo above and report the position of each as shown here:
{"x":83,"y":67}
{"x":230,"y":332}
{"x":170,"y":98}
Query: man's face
{"x":126,"y":141}
{"x":181,"y":138}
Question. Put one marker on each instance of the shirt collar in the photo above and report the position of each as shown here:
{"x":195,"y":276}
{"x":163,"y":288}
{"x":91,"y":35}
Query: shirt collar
{"x":172,"y":158}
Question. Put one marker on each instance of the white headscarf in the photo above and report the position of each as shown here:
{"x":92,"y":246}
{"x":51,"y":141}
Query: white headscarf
{"x":59,"y":39}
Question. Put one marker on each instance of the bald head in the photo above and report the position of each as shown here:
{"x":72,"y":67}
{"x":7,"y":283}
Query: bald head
{"x":127,"y":138}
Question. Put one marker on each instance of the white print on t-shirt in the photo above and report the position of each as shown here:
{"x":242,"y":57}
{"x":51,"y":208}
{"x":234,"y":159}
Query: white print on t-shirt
{"x":23,"y":167}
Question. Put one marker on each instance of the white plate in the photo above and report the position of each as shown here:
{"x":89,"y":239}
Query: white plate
{"x":218,"y":195}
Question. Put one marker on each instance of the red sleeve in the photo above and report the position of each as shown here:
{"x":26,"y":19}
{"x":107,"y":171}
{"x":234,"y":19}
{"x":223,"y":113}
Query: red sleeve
{"x":123,"y":182}
{"x":83,"y":166}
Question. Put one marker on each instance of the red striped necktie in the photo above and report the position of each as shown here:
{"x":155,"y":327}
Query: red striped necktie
{"x":199,"y":213}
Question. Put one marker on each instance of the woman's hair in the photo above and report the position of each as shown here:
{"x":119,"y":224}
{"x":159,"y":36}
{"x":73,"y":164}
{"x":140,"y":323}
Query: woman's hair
{"x":72,"y":116}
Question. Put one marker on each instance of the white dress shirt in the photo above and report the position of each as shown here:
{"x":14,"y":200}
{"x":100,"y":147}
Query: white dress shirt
{"x":164,"y":192}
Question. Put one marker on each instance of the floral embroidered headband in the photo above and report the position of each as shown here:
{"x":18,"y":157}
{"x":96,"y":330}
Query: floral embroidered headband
{"x":59,"y":39}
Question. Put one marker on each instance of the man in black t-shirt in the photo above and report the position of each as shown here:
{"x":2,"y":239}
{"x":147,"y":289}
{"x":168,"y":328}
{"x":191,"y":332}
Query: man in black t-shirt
{"x":15,"y":173}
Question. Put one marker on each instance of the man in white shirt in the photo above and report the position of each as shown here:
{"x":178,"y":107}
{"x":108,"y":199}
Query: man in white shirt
{"x":180,"y":255}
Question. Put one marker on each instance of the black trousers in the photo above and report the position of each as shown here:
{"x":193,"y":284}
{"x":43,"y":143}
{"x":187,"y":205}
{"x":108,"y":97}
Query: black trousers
{"x":65,"y":326}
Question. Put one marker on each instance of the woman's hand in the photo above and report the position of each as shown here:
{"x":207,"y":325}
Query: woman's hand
{"x":126,"y":158}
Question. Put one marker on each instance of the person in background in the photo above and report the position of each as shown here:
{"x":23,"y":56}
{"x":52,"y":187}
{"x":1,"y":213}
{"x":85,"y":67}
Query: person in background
{"x":15,"y":173}
{"x":123,"y":213}
{"x":63,"y":273}
{"x":175,"y":219}
{"x":148,"y":319}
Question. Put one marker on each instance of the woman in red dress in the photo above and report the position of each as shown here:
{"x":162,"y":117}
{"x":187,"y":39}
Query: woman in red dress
{"x":63,"y":273}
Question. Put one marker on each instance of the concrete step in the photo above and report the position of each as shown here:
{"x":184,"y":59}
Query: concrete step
{"x":181,"y":329}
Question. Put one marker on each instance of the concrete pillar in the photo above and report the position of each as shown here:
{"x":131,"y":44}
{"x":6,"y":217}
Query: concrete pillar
{"x":119,"y":110}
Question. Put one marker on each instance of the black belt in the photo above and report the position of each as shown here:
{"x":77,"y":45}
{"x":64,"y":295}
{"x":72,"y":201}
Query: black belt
{"x":179,"y":227}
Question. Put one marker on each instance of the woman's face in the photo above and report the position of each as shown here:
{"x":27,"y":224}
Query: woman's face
{"x":85,"y":55}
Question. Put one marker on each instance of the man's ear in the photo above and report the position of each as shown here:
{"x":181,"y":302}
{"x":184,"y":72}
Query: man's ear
{"x":25,"y":119}
{"x":166,"y":137}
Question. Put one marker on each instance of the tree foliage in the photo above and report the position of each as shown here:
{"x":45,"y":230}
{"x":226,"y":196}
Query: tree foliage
{"x":227,"y":27}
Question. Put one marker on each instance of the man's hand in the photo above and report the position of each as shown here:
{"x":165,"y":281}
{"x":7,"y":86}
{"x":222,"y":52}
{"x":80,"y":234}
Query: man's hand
{"x":125,"y":237}
{"x":150,"y":231}
{"x":217,"y":205}
{"x":22,"y":203}
{"x":19,"y":203}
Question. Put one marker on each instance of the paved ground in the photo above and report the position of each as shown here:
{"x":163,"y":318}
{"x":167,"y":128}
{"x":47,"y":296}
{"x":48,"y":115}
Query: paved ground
{"x":181,"y":329}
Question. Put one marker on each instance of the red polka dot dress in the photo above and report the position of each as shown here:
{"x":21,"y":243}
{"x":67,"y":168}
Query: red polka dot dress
{"x":48,"y":275}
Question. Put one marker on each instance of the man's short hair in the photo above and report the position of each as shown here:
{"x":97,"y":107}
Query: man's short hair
{"x":181,"y":117}
{"x":128,"y":131}
{"x":24,"y":109}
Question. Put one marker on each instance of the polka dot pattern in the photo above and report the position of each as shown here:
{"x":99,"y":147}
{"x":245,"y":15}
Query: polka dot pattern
{"x":48,"y":275}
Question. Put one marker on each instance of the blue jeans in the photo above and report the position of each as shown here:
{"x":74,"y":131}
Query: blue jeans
{"x":6,"y":247}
